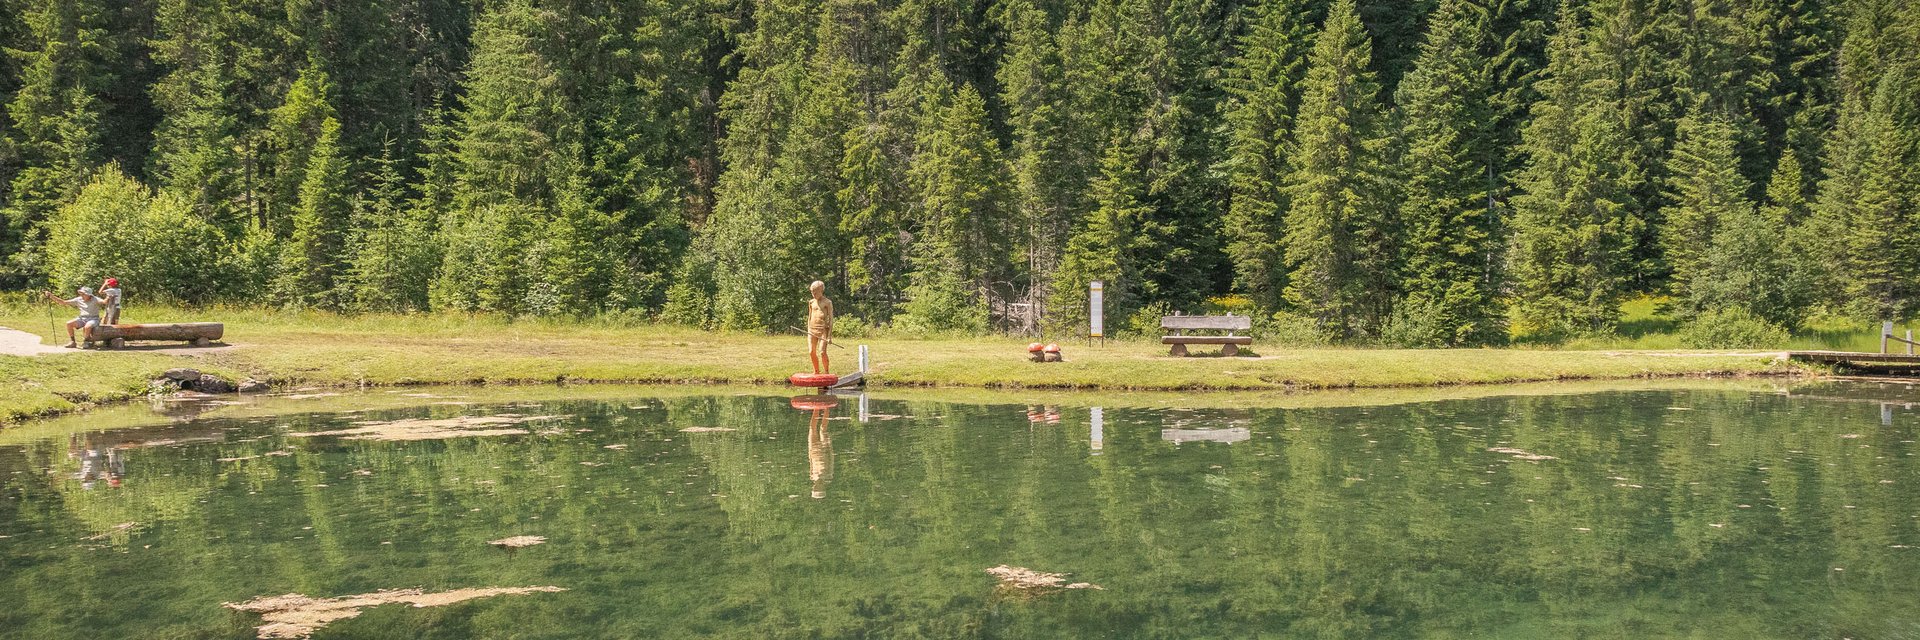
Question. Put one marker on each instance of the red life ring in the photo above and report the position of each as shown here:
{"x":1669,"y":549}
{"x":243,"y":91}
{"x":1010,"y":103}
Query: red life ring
{"x":814,"y":403}
{"x":1052,"y":348}
{"x":1033,"y":347}
{"x":815,"y":380}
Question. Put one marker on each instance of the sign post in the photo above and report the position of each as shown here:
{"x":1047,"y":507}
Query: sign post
{"x":1096,"y":298}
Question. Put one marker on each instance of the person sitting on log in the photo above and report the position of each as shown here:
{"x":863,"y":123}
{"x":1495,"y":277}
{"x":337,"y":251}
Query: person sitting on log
{"x":110,"y":294}
{"x":89,"y":306}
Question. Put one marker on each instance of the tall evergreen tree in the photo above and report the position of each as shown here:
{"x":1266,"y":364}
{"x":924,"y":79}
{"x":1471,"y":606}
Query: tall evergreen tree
{"x":66,"y":117}
{"x":1047,"y":171}
{"x":512,"y":163}
{"x":1340,"y":234}
{"x":1103,"y":250}
{"x":315,"y":253}
{"x":1453,"y":232}
{"x":960,"y":254}
{"x":1574,"y":227}
{"x":1705,"y":188}
{"x":1263,"y":81}
{"x":293,"y":129}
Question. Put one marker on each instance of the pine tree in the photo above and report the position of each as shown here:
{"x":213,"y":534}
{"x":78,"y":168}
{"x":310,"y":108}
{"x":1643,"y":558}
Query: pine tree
{"x":314,"y":255}
{"x":294,"y":128}
{"x":1705,"y":188}
{"x":1453,"y":232}
{"x":1047,"y":170}
{"x":511,"y":164}
{"x":1340,"y":236}
{"x":1102,"y":250}
{"x":1882,"y":215}
{"x":1574,"y":227}
{"x":754,"y":288}
{"x":60,"y":121}
{"x":226,"y":63}
{"x":960,"y":253}
{"x":1263,"y":81}
{"x":1631,"y":52}
{"x":391,"y":246}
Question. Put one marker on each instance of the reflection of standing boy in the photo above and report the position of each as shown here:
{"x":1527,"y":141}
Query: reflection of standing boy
{"x":819,"y":327}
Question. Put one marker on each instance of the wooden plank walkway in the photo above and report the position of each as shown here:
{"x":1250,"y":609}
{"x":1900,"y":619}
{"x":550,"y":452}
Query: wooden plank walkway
{"x":1853,"y":358}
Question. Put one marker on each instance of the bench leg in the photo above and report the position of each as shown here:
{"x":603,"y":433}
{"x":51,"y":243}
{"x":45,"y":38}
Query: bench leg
{"x":202,"y":342}
{"x":1230,"y":350}
{"x":1179,"y":350}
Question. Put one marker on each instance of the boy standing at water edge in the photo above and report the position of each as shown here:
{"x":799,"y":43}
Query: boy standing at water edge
{"x":819,"y":326}
{"x":89,"y":307}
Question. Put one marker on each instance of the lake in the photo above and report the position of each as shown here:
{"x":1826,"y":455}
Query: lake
{"x":1655,"y":509}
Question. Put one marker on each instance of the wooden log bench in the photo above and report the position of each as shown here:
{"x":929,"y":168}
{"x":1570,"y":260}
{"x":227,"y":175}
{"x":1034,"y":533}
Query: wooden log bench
{"x":1229,"y":343}
{"x":115,"y":336}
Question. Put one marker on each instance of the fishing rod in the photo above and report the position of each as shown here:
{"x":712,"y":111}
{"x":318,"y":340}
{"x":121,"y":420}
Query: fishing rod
{"x":829,"y":340}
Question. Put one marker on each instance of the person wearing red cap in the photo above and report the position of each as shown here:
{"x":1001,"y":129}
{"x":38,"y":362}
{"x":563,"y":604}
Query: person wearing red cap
{"x":110,"y":294}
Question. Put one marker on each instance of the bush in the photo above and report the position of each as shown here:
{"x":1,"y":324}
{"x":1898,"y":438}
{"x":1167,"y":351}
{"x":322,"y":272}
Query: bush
{"x":1732,"y":329}
{"x":156,"y":245}
{"x":1288,"y":329}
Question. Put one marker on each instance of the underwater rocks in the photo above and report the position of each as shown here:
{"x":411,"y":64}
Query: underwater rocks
{"x":1024,"y":578}
{"x":440,"y":429}
{"x":297,"y":616}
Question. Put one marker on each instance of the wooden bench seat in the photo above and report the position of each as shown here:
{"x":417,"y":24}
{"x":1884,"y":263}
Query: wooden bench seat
{"x":1229,"y":343}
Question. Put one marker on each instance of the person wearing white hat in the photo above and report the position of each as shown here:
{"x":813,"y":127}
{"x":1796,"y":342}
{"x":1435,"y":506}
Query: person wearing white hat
{"x":89,"y":307}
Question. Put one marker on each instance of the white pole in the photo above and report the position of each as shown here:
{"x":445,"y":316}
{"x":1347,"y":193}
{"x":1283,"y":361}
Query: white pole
{"x":863,"y":359}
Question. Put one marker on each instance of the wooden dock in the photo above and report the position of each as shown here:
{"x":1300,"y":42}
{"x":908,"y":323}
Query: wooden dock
{"x":1856,"y":359}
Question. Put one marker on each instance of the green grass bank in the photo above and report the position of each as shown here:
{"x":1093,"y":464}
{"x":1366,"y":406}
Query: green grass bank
{"x":299,"y":349}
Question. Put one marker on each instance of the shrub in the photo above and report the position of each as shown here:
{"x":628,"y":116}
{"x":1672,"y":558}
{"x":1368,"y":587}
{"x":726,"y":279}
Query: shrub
{"x":156,"y":245}
{"x":1732,"y":329}
{"x":1290,"y":329}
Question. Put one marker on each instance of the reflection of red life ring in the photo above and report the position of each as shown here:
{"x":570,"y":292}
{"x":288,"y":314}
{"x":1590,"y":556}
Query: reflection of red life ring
{"x":814,"y":403}
{"x":820,"y":380}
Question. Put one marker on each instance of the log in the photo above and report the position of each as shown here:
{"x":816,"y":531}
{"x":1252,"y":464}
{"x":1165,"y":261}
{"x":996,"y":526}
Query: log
{"x":197,"y":332}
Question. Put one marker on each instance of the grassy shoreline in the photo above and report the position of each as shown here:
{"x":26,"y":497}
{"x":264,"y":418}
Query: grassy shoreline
{"x":290,"y":349}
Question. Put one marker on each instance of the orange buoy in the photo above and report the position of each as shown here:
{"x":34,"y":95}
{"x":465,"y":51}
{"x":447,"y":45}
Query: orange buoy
{"x":814,"y":403}
{"x":814,"y":380}
{"x":1052,"y":347}
{"x":1033,"y":347}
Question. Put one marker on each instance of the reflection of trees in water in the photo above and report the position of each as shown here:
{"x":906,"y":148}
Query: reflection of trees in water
{"x":1342,"y":522}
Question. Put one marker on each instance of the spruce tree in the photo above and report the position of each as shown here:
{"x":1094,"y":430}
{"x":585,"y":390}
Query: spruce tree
{"x":313,"y":258}
{"x":1340,"y":235}
{"x":1575,"y":230}
{"x":1746,"y":268}
{"x":1263,"y":82}
{"x":1047,"y":172}
{"x":511,"y":164}
{"x":1102,"y":249}
{"x":966,"y":220}
{"x":60,"y":121}
{"x":294,"y":128}
{"x":1453,"y":231}
{"x":1704,"y":187}
{"x":753,"y":287}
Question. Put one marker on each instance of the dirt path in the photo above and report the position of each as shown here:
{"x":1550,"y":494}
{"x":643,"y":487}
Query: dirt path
{"x":21,"y":343}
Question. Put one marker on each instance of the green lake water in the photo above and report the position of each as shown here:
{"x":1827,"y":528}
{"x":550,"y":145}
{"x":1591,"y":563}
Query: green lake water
{"x":1735,"y":511}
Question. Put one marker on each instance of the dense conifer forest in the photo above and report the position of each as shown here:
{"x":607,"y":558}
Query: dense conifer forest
{"x":1418,"y":172}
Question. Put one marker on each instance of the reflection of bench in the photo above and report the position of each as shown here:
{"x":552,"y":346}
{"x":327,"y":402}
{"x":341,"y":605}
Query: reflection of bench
{"x":1230,"y":344}
{"x":201,"y":334}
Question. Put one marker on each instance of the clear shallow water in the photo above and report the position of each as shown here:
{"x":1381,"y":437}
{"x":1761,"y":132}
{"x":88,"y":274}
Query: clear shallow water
{"x":1701,"y":513}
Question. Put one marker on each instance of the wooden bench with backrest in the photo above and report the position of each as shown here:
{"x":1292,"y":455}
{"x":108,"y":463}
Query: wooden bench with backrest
{"x":1229,"y":343}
